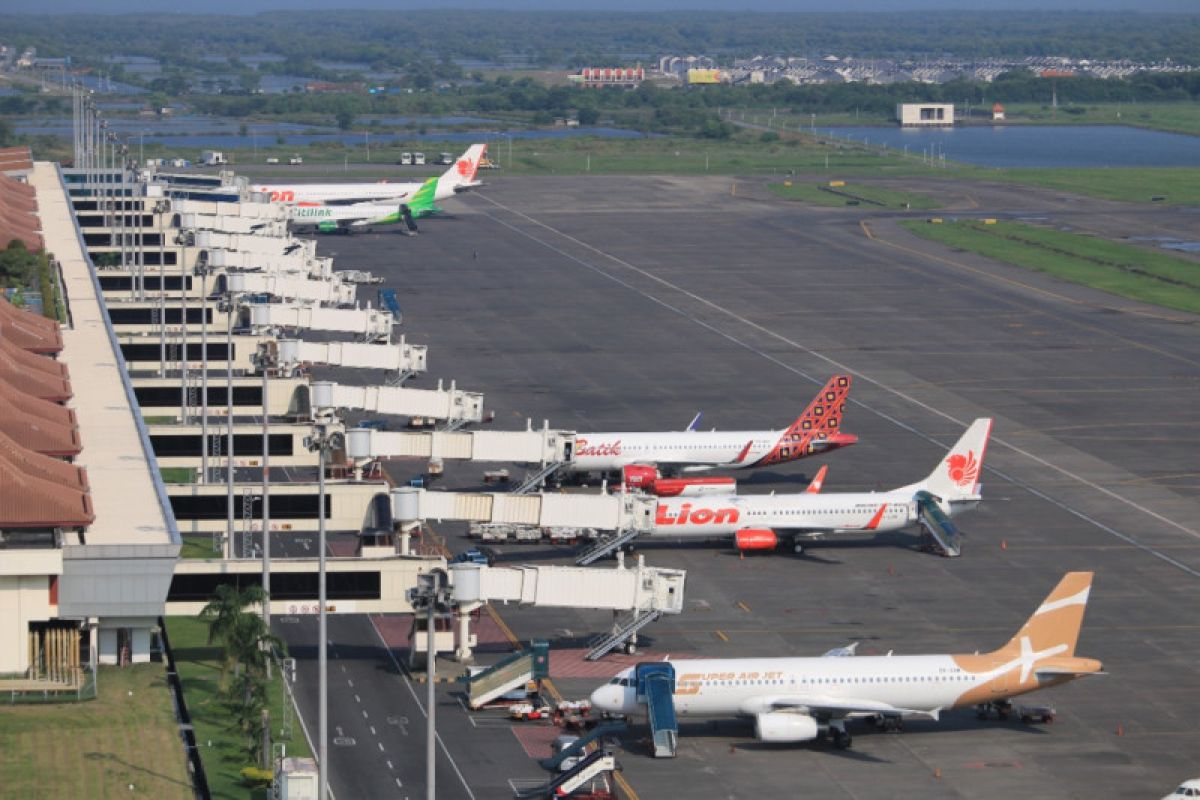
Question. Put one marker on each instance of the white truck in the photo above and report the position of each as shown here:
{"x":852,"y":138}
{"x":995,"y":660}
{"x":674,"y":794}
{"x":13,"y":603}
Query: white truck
{"x":211,"y":158}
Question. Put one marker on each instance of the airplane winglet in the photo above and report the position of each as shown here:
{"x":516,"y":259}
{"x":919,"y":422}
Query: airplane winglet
{"x":691,"y":426}
{"x":745,"y":452}
{"x":818,"y":481}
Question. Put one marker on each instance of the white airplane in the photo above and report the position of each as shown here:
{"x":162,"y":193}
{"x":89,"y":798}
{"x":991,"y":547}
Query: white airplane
{"x":459,"y":178}
{"x":644,"y":457}
{"x":755,"y":520}
{"x":801,"y":699}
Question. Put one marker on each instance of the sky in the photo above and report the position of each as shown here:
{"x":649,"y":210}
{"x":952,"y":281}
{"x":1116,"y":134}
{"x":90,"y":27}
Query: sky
{"x":253,"y":6}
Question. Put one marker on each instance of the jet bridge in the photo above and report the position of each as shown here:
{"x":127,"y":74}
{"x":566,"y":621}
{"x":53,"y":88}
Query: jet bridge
{"x":318,"y":267}
{"x":402,"y":358}
{"x":233,"y":224}
{"x":370,"y":323}
{"x":245,"y":243}
{"x":452,"y":405}
{"x":291,"y":287}
{"x":530,"y":446}
{"x":622,"y":511}
{"x":244,"y":210}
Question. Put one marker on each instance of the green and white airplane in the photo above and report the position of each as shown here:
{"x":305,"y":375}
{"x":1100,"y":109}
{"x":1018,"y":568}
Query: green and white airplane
{"x":364,"y":216}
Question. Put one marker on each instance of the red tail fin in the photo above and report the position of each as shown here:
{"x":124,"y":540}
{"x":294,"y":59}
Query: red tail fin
{"x":818,"y":429}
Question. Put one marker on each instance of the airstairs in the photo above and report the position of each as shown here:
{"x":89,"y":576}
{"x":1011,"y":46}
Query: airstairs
{"x":530,"y":664}
{"x":580,"y":746}
{"x":538,"y":478}
{"x":607,"y":545}
{"x":623,"y":633}
{"x":947,"y":538}
{"x":656,"y":688}
{"x":597,"y":763}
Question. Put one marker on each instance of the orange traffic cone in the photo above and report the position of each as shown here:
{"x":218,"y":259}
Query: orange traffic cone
{"x":937,"y":773}
{"x":1120,"y":729}
{"x":1003,"y":544}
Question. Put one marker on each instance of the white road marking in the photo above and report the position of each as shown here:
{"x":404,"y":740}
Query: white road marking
{"x":357,"y":699}
{"x":380,"y":746}
{"x":417,"y":700}
{"x":843,"y":368}
{"x":398,"y":783}
{"x":390,"y":766}
{"x":365,"y":714}
{"x":373,"y":730}
{"x":350,"y":682}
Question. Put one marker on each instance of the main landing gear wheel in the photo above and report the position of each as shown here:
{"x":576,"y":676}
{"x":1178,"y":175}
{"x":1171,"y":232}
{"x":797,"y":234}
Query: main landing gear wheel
{"x":798,"y":548}
{"x":890,"y":724}
{"x":840,"y":739}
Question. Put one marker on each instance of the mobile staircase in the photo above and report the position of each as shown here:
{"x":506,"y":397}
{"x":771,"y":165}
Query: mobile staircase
{"x":538,"y":478}
{"x":656,"y":688}
{"x":945,"y":537}
{"x":622,"y":633}
{"x":562,"y":785}
{"x":532,"y":663}
{"x":607,"y":545}
{"x":580,"y":745}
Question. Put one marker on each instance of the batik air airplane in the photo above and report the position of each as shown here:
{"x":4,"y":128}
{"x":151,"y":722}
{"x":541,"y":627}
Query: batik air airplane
{"x":459,"y":178}
{"x":644,"y":458}
{"x":801,"y":699}
{"x":756,"y":521}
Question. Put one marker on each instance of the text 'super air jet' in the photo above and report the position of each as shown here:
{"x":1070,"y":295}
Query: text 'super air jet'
{"x":459,"y":178}
{"x":802,"y":699}
{"x":756,"y":521}
{"x":644,"y":458}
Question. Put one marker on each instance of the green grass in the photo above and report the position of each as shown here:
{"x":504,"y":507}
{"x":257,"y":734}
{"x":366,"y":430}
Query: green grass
{"x":178,"y":474}
{"x":1181,"y":117}
{"x":1177,"y":185}
{"x":97,"y":749}
{"x":200,"y":670}
{"x":199,"y":547}
{"x":161,"y":420}
{"x":1121,"y":269}
{"x":868,"y":196}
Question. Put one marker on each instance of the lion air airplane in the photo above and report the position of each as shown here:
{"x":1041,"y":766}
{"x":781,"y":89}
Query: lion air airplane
{"x":644,"y":457}
{"x":459,"y":178}
{"x":801,"y":699}
{"x":754,"y":521}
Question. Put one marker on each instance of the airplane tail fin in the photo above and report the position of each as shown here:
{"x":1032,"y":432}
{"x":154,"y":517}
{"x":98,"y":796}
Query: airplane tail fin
{"x":422,"y":201}
{"x":818,"y":429}
{"x":1056,"y":623}
{"x":957,"y":476}
{"x":461,"y":175}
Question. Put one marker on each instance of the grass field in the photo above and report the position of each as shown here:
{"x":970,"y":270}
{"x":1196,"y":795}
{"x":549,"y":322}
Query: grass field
{"x":178,"y":474}
{"x":125,"y":743}
{"x":1176,"y":186}
{"x":1121,"y":269}
{"x":199,"y":670}
{"x":198,"y":547}
{"x":866,"y":195}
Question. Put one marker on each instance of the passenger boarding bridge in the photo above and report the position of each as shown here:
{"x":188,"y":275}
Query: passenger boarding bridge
{"x":371,"y":324}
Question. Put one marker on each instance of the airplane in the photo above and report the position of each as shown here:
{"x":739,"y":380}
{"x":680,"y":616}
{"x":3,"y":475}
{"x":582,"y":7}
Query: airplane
{"x":644,"y":458}
{"x":363,"y":216}
{"x":459,"y":178}
{"x":802,"y":699}
{"x":754,"y":521}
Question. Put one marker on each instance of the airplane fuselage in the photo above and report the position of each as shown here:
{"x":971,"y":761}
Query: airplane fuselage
{"x":337,"y":192}
{"x":689,"y":451}
{"x":926,"y":684}
{"x":725,"y":515}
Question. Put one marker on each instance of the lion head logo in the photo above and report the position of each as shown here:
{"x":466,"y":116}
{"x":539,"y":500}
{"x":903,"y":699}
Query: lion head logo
{"x":464,"y":168}
{"x":963,"y":470}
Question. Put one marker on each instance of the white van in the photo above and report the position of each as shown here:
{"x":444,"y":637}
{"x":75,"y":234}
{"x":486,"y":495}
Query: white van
{"x":419,"y":159}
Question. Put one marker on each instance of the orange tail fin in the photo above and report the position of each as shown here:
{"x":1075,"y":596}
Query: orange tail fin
{"x":818,"y":429}
{"x":1057,"y":620}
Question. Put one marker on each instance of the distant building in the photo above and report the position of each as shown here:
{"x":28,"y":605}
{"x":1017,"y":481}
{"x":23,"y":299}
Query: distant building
{"x":595,"y":77}
{"x":679,"y":65}
{"x":705,"y":76}
{"x":998,"y":112}
{"x":925,"y":114}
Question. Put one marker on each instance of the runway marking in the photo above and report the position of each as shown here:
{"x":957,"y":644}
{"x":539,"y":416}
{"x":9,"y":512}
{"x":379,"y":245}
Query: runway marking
{"x":380,"y":746}
{"x":466,"y":711}
{"x":399,"y":784}
{"x":357,"y":699}
{"x":721,"y":635}
{"x":348,"y":681}
{"x":742,"y":605}
{"x":845,"y":368}
{"x":365,"y":714}
{"x":390,"y":766}
{"x":373,"y":730}
{"x":417,"y":700}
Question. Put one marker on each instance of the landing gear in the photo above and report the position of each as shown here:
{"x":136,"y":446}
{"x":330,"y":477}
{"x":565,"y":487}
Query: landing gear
{"x":798,"y":548}
{"x":889,"y":723}
{"x":838,"y":737}
{"x":1000,"y":708}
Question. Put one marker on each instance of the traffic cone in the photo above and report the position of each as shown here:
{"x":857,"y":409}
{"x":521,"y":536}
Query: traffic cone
{"x":937,"y":773}
{"x":1003,"y":544}
{"x":1120,"y":729}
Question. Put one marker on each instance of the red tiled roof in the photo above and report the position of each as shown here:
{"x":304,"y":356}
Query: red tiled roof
{"x":16,"y":159}
{"x":32,"y":361}
{"x":27,"y":330}
{"x":39,"y":435}
{"x":33,"y":502}
{"x":32,"y":381}
{"x":18,"y":212}
{"x":13,"y":397}
{"x":45,"y":467}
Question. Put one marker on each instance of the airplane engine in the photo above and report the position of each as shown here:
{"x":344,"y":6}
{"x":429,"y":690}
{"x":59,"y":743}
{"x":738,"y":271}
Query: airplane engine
{"x":781,"y":726}
{"x":635,"y":476}
{"x":693,"y":487}
{"x":755,"y":539}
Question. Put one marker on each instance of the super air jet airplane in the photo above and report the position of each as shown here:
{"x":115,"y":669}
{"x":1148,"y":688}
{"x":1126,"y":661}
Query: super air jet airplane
{"x":644,"y":458}
{"x":756,"y":521}
{"x":802,"y":699}
{"x":459,"y":178}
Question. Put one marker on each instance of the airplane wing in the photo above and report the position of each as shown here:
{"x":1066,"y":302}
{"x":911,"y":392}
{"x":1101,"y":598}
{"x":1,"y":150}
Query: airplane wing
{"x":843,"y":706}
{"x":841,"y":652}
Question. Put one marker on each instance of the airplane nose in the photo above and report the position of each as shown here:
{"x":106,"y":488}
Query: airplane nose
{"x":607,"y":698}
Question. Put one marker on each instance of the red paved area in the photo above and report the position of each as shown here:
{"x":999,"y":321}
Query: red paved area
{"x":537,"y":738}
{"x":570,"y":663}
